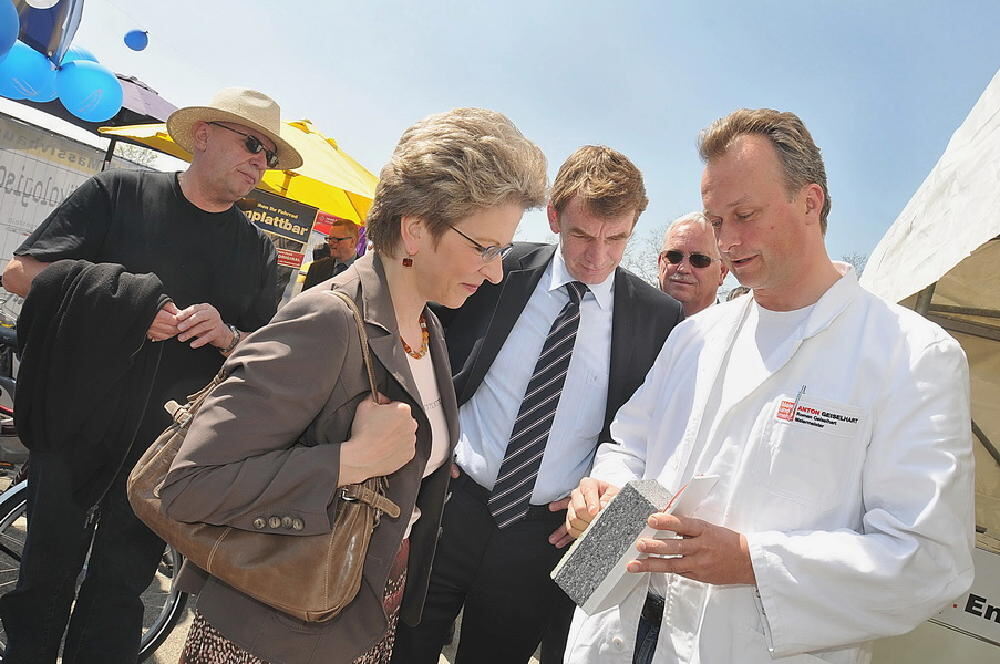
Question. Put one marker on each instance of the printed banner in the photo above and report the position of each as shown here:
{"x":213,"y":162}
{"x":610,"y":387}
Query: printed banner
{"x":977,"y":613}
{"x":289,"y":258}
{"x":281,"y":216}
{"x":38,"y":170}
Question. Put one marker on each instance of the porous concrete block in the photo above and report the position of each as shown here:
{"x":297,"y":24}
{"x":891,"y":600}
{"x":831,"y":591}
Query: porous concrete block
{"x":592,"y":573}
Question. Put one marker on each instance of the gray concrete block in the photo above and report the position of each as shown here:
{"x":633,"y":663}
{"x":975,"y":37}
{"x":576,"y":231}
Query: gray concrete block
{"x":592,"y":568}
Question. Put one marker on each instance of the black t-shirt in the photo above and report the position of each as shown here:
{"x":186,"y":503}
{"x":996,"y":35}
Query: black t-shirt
{"x":143,"y":221}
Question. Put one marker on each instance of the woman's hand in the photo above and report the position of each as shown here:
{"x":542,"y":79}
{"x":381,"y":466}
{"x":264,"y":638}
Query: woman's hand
{"x":383,"y":439}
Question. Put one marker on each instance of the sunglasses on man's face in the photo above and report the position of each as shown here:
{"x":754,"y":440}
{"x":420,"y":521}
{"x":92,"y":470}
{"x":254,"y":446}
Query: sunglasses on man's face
{"x":675,"y":256}
{"x":253,"y":145}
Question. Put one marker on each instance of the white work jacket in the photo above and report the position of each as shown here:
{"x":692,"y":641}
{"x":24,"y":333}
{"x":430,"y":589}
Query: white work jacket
{"x":856,"y":501}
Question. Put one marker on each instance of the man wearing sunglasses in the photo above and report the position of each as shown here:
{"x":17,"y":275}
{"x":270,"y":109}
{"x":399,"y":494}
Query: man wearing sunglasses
{"x":219,"y":280}
{"x":542,"y":361}
{"x":343,"y":245}
{"x":690,"y":267}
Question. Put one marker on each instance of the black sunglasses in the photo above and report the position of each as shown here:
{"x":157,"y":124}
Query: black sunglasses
{"x":253,"y":145}
{"x":675,"y":256}
{"x":487,"y":253}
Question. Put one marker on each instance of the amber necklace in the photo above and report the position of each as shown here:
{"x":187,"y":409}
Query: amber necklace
{"x":425,"y":337}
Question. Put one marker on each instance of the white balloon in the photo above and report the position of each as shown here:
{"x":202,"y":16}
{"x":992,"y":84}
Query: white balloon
{"x":42,"y":4}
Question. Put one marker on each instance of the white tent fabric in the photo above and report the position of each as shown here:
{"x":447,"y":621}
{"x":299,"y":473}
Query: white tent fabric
{"x":953,"y":213}
{"x":948,"y":236}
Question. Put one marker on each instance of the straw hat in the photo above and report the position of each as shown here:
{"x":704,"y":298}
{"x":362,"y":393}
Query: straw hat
{"x":241,"y":106}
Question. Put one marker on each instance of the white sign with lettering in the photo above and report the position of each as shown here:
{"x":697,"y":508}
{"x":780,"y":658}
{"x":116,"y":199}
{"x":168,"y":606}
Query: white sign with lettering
{"x":977,"y":613}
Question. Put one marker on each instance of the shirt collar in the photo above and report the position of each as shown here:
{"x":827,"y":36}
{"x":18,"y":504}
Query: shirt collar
{"x":560,"y":276}
{"x":828,"y":307}
{"x":833,"y":302}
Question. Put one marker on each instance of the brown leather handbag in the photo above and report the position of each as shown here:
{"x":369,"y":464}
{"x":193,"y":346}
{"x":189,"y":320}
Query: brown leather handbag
{"x":309,"y":577}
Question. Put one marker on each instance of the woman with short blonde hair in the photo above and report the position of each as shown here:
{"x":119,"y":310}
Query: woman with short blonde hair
{"x":293,"y":421}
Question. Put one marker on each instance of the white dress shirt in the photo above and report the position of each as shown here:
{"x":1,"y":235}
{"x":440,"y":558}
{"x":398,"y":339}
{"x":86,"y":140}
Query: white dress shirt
{"x":487,"y":419}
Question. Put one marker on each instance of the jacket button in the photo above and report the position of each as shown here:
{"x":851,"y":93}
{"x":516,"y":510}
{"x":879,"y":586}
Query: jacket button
{"x":286,"y":522}
{"x":618,"y":642}
{"x":259,"y":523}
{"x":297,"y":524}
{"x":274,"y":522}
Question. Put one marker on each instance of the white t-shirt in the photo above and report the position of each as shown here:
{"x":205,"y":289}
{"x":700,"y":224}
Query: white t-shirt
{"x":430,"y":399}
{"x":762,"y":333}
{"x":752,"y":353}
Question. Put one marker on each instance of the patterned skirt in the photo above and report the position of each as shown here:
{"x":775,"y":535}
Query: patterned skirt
{"x":205,"y":645}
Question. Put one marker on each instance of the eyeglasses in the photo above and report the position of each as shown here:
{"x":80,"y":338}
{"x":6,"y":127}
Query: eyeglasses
{"x":253,"y":145}
{"x":675,"y":256}
{"x":331,"y":239}
{"x":487,"y":253}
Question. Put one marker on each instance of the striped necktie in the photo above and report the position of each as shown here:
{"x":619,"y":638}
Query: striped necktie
{"x":508,"y":502}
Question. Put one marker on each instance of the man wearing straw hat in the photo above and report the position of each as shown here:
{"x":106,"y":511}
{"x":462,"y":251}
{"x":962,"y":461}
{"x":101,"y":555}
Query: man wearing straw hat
{"x":219,"y":273}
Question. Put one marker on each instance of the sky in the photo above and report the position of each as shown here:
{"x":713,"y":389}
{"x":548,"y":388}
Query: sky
{"x":880,"y":85}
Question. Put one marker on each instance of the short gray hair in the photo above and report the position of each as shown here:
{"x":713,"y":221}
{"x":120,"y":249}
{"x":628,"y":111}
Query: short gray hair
{"x":450,"y":165}
{"x":696,"y":218}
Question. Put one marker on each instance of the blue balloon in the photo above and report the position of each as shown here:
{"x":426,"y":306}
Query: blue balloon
{"x":48,"y":92}
{"x":74,"y":53}
{"x":89,"y":90}
{"x":10,"y":26}
{"x":136,"y":39}
{"x":25,"y":73}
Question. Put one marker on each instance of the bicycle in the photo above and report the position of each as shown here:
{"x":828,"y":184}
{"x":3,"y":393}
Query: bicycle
{"x":163,"y":603}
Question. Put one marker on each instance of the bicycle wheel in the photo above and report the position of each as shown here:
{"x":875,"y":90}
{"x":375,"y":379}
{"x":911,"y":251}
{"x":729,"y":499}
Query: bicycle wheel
{"x":163,"y":603}
{"x":13,"y":529}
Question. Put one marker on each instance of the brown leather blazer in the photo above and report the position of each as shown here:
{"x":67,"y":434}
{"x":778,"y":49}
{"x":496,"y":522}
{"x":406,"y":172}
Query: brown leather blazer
{"x":267,"y":443}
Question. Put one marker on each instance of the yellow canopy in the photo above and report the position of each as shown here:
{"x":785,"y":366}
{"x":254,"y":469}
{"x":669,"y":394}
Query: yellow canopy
{"x":329,"y":179}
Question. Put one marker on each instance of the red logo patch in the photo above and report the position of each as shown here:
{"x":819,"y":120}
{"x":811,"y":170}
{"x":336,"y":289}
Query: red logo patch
{"x":786,"y":411}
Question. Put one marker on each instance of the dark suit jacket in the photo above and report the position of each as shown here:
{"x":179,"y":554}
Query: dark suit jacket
{"x":267,"y":442}
{"x":643,"y":317}
{"x":320,"y":271}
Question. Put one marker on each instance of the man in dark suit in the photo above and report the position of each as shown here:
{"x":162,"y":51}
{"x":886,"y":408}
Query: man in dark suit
{"x":542,"y":361}
{"x":343,"y":246}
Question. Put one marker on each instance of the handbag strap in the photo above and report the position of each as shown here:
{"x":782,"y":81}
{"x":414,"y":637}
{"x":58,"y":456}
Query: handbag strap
{"x":182,"y":414}
{"x":365,"y":352}
{"x":365,"y":494}
{"x":372,"y":490}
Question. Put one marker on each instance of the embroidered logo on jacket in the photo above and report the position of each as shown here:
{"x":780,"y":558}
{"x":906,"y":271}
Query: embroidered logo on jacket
{"x":814,"y":415}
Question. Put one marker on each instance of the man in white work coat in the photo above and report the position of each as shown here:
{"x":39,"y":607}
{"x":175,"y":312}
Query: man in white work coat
{"x":837,"y":423}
